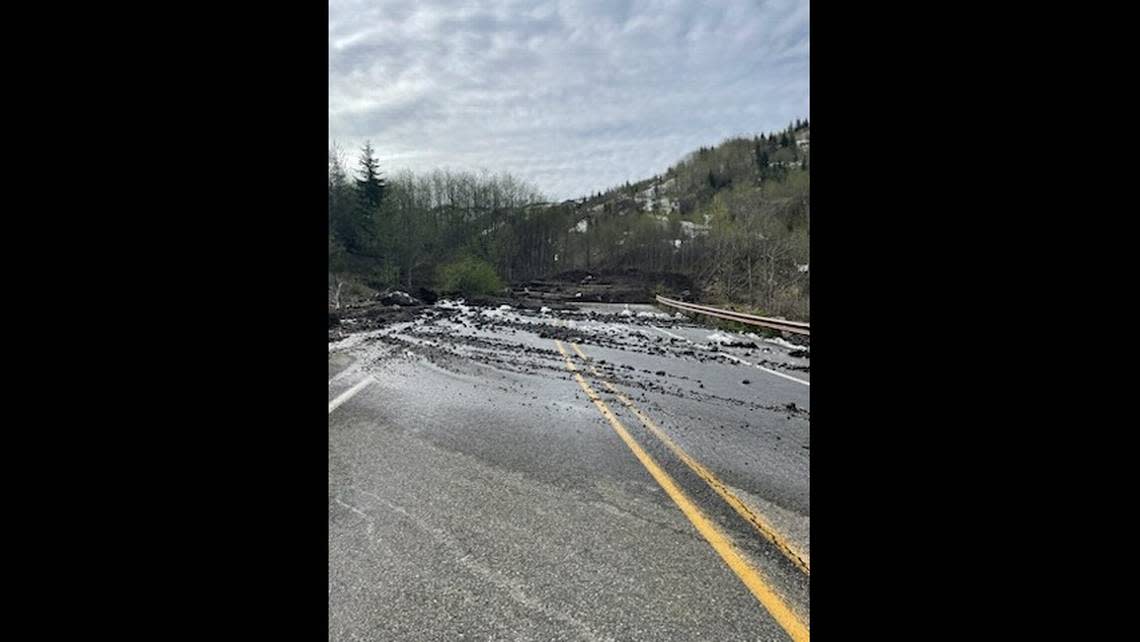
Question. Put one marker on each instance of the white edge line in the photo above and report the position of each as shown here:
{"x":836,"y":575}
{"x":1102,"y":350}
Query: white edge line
{"x":675,"y":336}
{"x":725,"y":354}
{"x":343,"y":373}
{"x":347,"y":394}
{"x":778,"y":374}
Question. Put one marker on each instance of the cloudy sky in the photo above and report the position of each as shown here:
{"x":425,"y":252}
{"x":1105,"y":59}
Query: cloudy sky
{"x":573,"y":96}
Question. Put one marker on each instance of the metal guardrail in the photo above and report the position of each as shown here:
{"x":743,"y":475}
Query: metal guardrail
{"x":797,"y":327}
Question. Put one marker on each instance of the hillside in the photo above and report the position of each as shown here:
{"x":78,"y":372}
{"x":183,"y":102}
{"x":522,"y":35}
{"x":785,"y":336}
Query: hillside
{"x":732,"y":220}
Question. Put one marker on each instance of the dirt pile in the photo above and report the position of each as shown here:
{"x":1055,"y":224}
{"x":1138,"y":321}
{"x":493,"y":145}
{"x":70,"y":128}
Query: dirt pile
{"x":367,"y":316}
{"x":607,"y":286}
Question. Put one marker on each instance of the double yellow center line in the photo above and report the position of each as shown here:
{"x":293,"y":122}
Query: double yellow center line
{"x":716,"y":538}
{"x":762,"y":525}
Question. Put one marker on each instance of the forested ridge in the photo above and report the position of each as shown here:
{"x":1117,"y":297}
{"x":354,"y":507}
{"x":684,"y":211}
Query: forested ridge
{"x":733,"y":217}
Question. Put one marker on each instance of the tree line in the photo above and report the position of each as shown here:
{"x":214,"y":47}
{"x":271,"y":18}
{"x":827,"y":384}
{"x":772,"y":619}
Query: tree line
{"x":734,"y":217}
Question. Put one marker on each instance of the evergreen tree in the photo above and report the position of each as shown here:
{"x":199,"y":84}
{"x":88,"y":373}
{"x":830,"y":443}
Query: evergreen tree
{"x":370,"y":184}
{"x":761,"y":158}
{"x":360,"y":233}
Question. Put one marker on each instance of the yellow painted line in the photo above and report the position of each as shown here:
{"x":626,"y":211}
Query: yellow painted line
{"x":713,"y":535}
{"x":766,"y":529}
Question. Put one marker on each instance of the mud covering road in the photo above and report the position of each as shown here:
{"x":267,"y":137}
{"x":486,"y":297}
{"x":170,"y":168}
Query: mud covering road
{"x":477,"y":492}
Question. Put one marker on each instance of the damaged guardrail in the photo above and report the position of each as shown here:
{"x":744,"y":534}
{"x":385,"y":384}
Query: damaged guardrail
{"x":796,"y":327}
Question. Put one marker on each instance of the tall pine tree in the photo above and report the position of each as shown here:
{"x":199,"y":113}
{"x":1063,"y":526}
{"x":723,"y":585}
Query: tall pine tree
{"x":361,"y":237}
{"x":370,"y":184}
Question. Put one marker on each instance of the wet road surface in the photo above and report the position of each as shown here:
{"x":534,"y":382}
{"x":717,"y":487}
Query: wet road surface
{"x":613,"y":473}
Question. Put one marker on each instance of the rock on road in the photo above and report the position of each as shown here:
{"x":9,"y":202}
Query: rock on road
{"x":478,"y":491}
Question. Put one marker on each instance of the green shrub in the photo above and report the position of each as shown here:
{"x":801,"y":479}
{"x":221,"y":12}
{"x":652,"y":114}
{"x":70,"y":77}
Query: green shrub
{"x":469,"y":276}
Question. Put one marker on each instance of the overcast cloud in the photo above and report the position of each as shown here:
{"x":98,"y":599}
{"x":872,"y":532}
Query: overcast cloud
{"x":574,"y":97}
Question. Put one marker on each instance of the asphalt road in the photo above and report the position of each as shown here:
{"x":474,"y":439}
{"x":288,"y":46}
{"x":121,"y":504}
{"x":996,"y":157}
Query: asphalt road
{"x":608,"y":474}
